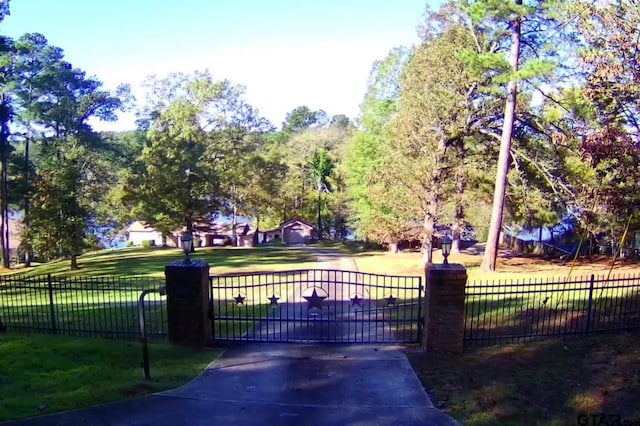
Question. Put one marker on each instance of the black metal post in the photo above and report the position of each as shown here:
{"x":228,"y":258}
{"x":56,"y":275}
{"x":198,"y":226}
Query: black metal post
{"x":590,"y":303}
{"x":143,"y":335}
{"x":52,"y":308}
{"x":143,"y":329}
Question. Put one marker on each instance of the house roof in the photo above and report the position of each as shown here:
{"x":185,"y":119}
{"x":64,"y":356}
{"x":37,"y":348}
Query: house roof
{"x":139,"y":226}
{"x":223,"y":229}
{"x":269,"y":231}
{"x":294,"y":221}
{"x":215,"y":228}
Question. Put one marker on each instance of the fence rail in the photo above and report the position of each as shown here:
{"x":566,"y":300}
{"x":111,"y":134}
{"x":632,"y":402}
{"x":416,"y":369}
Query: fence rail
{"x":524,"y":310}
{"x":81,"y":306}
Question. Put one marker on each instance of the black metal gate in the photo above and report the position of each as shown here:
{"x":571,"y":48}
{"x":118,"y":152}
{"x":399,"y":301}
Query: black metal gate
{"x":316,"y":305}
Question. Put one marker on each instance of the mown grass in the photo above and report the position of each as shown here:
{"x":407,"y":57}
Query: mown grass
{"x":549,"y":382}
{"x":150,"y":262}
{"x":510,"y":266}
{"x":47,"y":374}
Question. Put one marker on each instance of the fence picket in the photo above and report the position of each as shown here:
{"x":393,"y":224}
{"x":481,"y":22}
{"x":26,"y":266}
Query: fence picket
{"x":52,"y":307}
{"x":79,"y":307}
{"x":504,"y":311}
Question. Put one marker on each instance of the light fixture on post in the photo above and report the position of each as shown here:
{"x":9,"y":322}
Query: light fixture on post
{"x":446,"y":248}
{"x":187,"y":246}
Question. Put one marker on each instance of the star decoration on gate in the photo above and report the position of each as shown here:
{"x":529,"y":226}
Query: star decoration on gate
{"x":315,"y":300}
{"x":356,"y":301}
{"x":274,"y":300}
{"x":391,"y":301}
{"x":239,"y":300}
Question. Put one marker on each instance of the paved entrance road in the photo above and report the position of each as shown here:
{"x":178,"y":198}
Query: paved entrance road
{"x":282,"y":384}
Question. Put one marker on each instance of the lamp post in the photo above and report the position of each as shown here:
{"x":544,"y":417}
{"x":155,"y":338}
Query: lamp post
{"x":446,"y":248}
{"x":187,"y":246}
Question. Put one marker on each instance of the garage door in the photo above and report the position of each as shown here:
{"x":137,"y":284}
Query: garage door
{"x":294,"y":235}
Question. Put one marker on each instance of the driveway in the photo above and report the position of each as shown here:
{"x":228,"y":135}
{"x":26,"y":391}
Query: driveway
{"x":282,"y":384}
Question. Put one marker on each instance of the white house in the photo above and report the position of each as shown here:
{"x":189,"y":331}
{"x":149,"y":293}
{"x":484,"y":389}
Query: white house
{"x":204,"y":235}
{"x":138,"y":232}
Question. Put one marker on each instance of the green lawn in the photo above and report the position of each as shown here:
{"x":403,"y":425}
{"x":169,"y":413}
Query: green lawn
{"x":141,"y":262}
{"x":550,"y":382}
{"x":46,"y":374}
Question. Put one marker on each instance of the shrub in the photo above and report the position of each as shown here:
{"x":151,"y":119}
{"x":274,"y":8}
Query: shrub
{"x":148,"y":243}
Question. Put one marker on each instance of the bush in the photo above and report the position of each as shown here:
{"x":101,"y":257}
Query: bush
{"x":148,"y":243}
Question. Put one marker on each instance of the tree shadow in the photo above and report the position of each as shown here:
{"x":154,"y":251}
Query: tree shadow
{"x":552,"y":381}
{"x":534,"y":315}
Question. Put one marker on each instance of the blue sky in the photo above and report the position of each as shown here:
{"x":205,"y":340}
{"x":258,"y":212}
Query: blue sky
{"x":286,"y":53}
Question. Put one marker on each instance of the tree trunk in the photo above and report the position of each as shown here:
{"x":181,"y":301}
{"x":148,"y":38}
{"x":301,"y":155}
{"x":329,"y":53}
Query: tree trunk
{"x":74,"y":263}
{"x":428,"y":230}
{"x":4,"y":226}
{"x":28,"y":253}
{"x":504,"y":159}
{"x":458,"y":222}
{"x":4,"y":189}
{"x":256,"y":240}
{"x":319,"y":215}
{"x":234,"y":223}
{"x":393,"y":248}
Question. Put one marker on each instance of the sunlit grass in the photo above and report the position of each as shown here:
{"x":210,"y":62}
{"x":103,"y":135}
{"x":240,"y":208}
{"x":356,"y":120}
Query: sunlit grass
{"x":46,"y":374}
{"x":150,"y":262}
{"x":509,"y":267}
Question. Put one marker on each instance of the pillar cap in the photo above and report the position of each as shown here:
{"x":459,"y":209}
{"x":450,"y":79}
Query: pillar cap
{"x":451,"y":267}
{"x":193,"y":264}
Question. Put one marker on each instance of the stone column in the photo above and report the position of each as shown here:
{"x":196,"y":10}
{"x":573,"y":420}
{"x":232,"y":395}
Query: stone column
{"x":444,"y":308}
{"x":188,"y":303}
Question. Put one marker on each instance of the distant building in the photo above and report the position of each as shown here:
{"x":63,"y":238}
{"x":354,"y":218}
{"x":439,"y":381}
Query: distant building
{"x":293,"y":231}
{"x":139,"y":231}
{"x":204,"y":235}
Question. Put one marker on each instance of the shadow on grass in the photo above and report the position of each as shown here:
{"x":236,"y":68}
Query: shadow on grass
{"x":151,"y":262}
{"x":528,"y":316}
{"x":46,"y":374}
{"x":539,"y":383}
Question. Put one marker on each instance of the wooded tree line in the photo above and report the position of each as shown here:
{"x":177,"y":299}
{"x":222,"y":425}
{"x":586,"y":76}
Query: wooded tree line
{"x":520,"y":112}
{"x":529,"y":104}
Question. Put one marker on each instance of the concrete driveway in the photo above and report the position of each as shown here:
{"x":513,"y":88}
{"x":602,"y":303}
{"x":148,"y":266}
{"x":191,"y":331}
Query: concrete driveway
{"x":280,"y":384}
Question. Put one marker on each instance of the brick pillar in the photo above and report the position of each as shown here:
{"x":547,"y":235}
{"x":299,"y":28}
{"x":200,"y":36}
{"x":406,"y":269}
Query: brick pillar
{"x":188,"y":303}
{"x":444,"y":308}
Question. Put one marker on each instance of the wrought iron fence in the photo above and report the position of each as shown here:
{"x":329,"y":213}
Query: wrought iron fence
{"x":524,"y":310}
{"x":81,"y":306}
